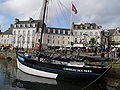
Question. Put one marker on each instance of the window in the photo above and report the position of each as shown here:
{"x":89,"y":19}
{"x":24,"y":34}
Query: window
{"x":75,"y":27}
{"x":21,"y":25}
{"x":66,"y":32}
{"x":23,"y":32}
{"x":48,"y":30}
{"x":81,"y":27}
{"x":96,"y":33}
{"x":56,"y":31}
{"x":48,"y":41}
{"x":23,"y":39}
{"x":80,"y":33}
{"x":75,"y":33}
{"x":33,"y":31}
{"x":91,"y":34}
{"x":53,"y":41}
{"x":31,"y":25}
{"x":53,"y":30}
{"x":28,"y":32}
{"x":14,"y":39}
{"x":28,"y":39}
{"x":78,"y":27}
{"x":63,"y":42}
{"x":18,"y":32}
{"x":68,"y":42}
{"x":5,"y":41}
{"x":75,"y":40}
{"x":61,"y":31}
{"x":58,"y":42}
{"x":14,"y":32}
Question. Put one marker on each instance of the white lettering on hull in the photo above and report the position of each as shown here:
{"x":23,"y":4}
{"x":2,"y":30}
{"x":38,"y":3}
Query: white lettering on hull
{"x":77,"y":70}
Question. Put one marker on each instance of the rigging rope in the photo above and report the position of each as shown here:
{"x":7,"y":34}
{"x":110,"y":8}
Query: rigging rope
{"x":109,"y":67}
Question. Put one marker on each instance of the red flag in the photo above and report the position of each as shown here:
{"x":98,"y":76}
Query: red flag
{"x":74,"y":9}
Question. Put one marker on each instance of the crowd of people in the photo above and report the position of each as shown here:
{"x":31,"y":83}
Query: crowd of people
{"x":104,"y":52}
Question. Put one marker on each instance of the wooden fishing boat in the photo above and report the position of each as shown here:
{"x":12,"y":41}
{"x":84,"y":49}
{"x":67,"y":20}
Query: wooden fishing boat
{"x":58,"y":69}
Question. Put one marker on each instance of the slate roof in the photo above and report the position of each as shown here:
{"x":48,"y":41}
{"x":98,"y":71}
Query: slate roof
{"x":9,"y":31}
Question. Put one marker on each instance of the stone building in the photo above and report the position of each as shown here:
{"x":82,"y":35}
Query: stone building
{"x":23,"y":33}
{"x":6,"y":38}
{"x":26,"y":36}
{"x":83,"y":33}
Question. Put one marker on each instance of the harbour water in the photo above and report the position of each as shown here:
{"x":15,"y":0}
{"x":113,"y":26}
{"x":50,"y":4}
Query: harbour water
{"x":13,"y":79}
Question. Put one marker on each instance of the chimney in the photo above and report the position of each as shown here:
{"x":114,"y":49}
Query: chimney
{"x":16,"y":20}
{"x":31,"y":19}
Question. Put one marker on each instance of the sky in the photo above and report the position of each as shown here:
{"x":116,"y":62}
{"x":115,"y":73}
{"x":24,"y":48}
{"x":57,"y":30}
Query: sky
{"x":102,"y":12}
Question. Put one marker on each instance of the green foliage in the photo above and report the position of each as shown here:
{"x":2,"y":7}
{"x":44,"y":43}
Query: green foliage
{"x":92,"y":42}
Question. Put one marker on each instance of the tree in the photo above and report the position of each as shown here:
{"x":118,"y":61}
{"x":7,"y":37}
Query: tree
{"x":92,"y":42}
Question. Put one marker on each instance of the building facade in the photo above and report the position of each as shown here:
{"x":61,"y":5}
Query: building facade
{"x":6,"y":38}
{"x":25,"y":35}
{"x":83,"y":33}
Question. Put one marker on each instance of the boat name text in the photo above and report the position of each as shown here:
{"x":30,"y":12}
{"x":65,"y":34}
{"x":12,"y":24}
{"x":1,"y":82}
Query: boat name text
{"x":77,"y":70}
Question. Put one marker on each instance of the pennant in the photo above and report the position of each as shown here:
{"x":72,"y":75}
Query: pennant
{"x":74,"y":9}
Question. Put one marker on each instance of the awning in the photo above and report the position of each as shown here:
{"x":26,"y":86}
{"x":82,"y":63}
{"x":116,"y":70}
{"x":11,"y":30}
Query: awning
{"x":78,"y":45}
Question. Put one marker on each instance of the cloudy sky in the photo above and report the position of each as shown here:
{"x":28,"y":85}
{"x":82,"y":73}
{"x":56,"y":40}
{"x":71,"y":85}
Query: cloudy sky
{"x":102,"y":12}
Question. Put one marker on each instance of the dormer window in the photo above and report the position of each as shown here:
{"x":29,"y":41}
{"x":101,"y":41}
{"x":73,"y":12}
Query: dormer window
{"x":14,"y":32}
{"x":78,"y":27}
{"x":75,"y":27}
{"x":63,"y":31}
{"x":26,"y":25}
{"x":53,"y":30}
{"x":48,"y":30}
{"x":58,"y":31}
{"x":21,"y":25}
{"x":31,"y":25}
{"x":66,"y":32}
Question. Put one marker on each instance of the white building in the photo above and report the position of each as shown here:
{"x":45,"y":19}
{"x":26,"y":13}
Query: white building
{"x":6,"y":38}
{"x":23,"y":33}
{"x":83,"y":33}
{"x":26,"y":36}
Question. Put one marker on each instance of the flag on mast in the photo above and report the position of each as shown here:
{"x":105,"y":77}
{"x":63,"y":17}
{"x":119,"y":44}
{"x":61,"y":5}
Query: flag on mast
{"x":74,"y":9}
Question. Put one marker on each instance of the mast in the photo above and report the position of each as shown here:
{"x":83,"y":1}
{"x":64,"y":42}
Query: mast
{"x":43,"y":25}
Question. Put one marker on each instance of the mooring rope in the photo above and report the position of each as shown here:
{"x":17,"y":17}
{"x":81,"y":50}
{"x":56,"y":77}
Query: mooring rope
{"x":110,"y":66}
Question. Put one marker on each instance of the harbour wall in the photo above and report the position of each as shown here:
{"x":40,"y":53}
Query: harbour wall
{"x":113,"y":73}
{"x":8,"y":55}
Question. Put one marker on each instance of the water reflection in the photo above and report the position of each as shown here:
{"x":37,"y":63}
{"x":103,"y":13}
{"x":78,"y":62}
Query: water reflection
{"x":35,"y":83}
{"x":12,"y":78}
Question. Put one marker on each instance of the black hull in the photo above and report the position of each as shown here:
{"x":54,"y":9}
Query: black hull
{"x":63,"y":71}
